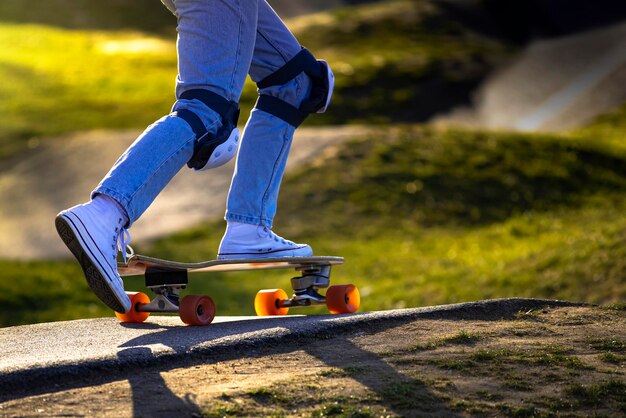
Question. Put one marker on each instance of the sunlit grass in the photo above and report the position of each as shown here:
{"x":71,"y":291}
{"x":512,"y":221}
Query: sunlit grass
{"x":144,"y":15}
{"x":57,"y":81}
{"x":564,"y":240}
{"x":608,"y":129}
{"x":44,"y":291}
{"x":571,"y":253}
{"x":388,"y":57}
{"x":385,"y":57}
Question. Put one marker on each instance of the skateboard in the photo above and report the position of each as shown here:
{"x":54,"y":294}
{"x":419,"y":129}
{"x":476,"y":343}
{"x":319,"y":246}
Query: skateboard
{"x":167,"y":278}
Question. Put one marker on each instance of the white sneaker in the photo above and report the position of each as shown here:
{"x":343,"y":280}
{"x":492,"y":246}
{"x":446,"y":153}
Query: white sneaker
{"x":92,"y":233}
{"x":253,"y":241}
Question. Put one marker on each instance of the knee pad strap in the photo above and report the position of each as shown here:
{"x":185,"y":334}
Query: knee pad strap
{"x":281,"y":109}
{"x":210,"y":150}
{"x":321,"y":91}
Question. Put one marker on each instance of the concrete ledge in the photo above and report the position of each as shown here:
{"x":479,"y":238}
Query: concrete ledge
{"x":43,"y":355}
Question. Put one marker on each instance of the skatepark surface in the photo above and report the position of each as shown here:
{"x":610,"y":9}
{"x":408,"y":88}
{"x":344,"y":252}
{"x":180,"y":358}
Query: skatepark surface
{"x":504,"y":357}
{"x":36,"y":357}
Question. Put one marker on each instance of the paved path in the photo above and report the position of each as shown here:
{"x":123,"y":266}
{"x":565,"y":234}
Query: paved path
{"x":40,"y":355}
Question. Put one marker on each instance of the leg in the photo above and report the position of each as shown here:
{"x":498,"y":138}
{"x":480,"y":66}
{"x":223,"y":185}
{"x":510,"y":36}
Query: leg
{"x":215,"y":45}
{"x":266,"y":139}
{"x":264,"y":149}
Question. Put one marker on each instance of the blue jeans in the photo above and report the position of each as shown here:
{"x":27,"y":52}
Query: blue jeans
{"x":219,"y":43}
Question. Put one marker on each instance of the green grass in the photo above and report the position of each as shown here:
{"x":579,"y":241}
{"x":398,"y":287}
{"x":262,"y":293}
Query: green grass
{"x":266,"y":396}
{"x":406,"y":394}
{"x":348,"y":371}
{"x":462,"y":338}
{"x":145,"y":15}
{"x":598,"y":394}
{"x":397,"y":60}
{"x":71,"y":78}
{"x":497,"y":215}
{"x":606,"y":130}
{"x":428,"y":177}
{"x":547,"y":356}
{"x":59,"y":80}
{"x":611,"y":358}
{"x":608,"y":344}
{"x":45,"y":291}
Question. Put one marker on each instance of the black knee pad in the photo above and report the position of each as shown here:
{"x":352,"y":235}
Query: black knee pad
{"x":323,"y":83}
{"x":211,"y":151}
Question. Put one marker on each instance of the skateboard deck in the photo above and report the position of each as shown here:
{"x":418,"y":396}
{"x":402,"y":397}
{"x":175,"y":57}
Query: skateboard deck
{"x":167,"y":278}
{"x":138,"y":264}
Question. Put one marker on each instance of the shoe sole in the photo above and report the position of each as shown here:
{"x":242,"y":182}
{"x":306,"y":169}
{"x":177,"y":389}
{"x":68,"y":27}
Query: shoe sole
{"x":278,"y":253}
{"x":99,"y":283}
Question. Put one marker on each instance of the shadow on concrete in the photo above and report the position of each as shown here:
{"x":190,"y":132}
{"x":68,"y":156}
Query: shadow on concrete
{"x":192,"y":346}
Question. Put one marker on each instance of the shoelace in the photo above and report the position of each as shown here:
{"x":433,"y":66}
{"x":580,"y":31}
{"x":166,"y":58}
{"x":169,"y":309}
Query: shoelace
{"x":123,"y":241}
{"x":275,"y":237}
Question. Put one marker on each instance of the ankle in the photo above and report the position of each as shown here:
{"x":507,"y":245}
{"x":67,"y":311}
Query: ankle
{"x":110,"y":208}
{"x":235,"y":227}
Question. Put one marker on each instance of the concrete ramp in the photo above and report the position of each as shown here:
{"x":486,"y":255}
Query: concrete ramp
{"x":40,"y":355}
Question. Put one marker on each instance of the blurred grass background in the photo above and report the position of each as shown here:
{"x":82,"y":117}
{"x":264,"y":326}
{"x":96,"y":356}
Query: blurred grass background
{"x":413,"y":61}
{"x":423,"y":215}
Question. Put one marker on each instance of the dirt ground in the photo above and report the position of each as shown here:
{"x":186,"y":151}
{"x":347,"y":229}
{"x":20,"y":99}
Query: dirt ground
{"x":557,"y":362}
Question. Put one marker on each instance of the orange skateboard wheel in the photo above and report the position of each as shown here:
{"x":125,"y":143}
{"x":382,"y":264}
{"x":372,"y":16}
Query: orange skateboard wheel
{"x":197,"y":310}
{"x":343,"y":298}
{"x":267,"y":302}
{"x":136,"y":299}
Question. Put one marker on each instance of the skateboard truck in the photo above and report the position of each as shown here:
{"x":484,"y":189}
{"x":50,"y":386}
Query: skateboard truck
{"x":168,"y":278}
{"x":306,"y":287}
{"x":166,"y":301}
{"x":167,"y":285}
{"x":338,"y":298}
